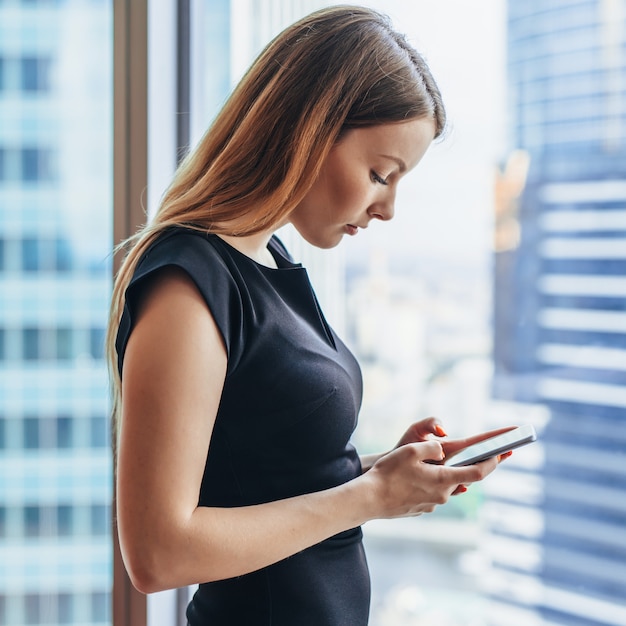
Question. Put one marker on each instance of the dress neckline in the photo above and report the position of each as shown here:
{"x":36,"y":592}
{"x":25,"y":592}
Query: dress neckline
{"x":274,"y":247}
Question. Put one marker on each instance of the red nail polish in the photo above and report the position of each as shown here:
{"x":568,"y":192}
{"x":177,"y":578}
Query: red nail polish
{"x":439,"y":431}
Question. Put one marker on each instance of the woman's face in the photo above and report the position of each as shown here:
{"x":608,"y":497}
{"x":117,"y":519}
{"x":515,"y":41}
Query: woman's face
{"x":359,"y":180}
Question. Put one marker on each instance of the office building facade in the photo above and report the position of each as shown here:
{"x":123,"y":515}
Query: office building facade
{"x":55,"y":234}
{"x":557,"y":541}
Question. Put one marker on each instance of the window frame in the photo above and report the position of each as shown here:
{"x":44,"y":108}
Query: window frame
{"x":130,"y":177}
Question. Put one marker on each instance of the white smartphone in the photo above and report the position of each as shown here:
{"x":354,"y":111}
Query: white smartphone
{"x":493,"y":446}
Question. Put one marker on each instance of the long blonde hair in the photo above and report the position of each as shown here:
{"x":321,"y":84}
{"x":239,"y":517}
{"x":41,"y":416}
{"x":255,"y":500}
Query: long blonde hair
{"x":336,"y":69}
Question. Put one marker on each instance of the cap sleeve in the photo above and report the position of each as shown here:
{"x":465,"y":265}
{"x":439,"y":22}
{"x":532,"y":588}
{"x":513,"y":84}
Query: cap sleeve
{"x":195,"y":254}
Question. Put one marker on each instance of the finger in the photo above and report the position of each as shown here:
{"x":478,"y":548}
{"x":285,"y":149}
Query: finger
{"x":454,"y":445}
{"x":429,"y":451}
{"x":474,"y":473}
{"x":429,"y":426}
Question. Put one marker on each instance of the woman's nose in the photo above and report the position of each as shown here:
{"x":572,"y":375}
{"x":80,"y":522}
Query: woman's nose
{"x":384,"y":209}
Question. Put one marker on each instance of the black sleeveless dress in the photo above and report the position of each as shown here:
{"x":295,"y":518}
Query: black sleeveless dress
{"x":288,"y":409}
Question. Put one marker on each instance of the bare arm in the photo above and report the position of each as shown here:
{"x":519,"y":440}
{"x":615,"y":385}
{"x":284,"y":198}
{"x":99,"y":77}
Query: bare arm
{"x":174,"y":371}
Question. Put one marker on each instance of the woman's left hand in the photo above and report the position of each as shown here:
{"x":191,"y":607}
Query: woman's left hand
{"x":422,"y":431}
{"x":430,"y":427}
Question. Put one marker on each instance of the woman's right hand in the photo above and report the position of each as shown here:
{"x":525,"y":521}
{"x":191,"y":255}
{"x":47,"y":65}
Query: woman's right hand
{"x":410,"y":480}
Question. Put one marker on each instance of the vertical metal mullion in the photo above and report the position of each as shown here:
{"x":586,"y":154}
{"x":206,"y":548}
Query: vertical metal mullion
{"x":183,"y":78}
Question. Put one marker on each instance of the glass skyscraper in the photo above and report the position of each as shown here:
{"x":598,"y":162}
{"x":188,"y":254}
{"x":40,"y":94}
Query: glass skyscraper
{"x":558,"y":520}
{"x":55,"y":280}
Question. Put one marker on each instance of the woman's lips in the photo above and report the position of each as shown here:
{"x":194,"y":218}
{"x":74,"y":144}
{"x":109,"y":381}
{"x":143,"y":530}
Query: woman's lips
{"x":352,"y":230}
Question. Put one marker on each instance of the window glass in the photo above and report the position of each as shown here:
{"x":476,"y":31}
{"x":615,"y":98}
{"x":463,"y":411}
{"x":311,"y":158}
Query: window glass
{"x":55,"y":280}
{"x":65,"y":515}
{"x":64,"y":432}
{"x":469,"y":307}
{"x":35,"y":74}
{"x":30,"y":254}
{"x":65,"y":608}
{"x":99,"y":432}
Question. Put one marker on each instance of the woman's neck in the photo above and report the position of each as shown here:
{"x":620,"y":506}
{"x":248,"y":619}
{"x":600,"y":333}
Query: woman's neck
{"x":253,"y":246}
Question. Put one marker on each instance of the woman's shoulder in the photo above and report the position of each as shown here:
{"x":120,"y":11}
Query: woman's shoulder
{"x":180,"y":245}
{"x":199,"y":255}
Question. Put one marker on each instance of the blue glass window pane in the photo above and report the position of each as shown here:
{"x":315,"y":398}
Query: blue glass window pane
{"x":32,"y":521}
{"x":65,"y":520}
{"x":63,"y":255}
{"x":99,"y":519}
{"x":99,"y":436}
{"x":30,"y":344}
{"x":64,"y":432}
{"x":96,"y":341}
{"x":65,"y":608}
{"x":35,"y":164}
{"x":64,"y":341}
{"x":30,"y":255}
{"x":100,"y":606}
{"x":35,"y":74}
{"x":31,"y":433}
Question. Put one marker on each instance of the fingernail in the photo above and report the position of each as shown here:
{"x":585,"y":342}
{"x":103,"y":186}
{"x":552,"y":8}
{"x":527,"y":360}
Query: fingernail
{"x":439,"y":431}
{"x":505,"y":455}
{"x":461,"y":489}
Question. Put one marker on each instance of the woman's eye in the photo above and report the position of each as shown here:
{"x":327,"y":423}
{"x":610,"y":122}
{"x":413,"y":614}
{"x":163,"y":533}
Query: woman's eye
{"x":378,"y":179}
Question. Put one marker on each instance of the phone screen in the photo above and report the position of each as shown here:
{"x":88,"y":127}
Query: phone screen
{"x":494,"y":445}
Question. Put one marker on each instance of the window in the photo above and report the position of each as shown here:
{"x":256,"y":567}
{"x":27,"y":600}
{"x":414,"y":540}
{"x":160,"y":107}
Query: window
{"x":55,"y":227}
{"x":32,"y":608}
{"x":65,"y":520}
{"x":35,"y":74}
{"x":433,"y":283}
{"x":30,"y":254}
{"x":99,"y":607}
{"x":65,"y":608}
{"x":96,"y":342}
{"x":100,"y":516}
{"x":64,"y":344}
{"x":63,"y":255}
{"x":32,"y":437}
{"x":64,"y":432}
{"x":30,"y":344}
{"x":32,"y":521}
{"x":36,"y":165}
{"x":99,"y":432}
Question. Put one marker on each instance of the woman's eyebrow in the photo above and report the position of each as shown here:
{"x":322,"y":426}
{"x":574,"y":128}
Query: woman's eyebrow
{"x":398,"y":160}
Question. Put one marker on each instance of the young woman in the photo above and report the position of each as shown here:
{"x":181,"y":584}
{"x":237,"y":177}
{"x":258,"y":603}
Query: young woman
{"x":234,"y":399}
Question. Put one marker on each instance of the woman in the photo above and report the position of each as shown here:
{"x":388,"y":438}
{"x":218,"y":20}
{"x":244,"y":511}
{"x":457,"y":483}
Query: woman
{"x":234,"y":399}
